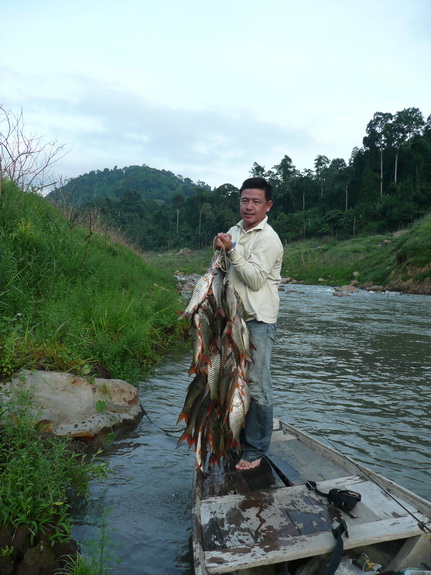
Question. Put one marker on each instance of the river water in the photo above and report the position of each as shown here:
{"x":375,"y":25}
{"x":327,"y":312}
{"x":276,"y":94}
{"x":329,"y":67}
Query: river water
{"x":354,"y":371}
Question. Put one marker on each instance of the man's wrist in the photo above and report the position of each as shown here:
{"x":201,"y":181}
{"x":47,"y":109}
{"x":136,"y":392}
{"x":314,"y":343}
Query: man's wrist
{"x":229,"y":252}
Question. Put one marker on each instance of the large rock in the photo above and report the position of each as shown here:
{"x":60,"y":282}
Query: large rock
{"x":69,"y":405}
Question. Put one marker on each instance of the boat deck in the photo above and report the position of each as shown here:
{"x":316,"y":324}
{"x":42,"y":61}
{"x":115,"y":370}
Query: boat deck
{"x":267,"y":516}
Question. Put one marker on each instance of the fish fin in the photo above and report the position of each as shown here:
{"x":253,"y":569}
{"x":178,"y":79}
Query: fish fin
{"x":245,"y":357}
{"x":203,"y":369}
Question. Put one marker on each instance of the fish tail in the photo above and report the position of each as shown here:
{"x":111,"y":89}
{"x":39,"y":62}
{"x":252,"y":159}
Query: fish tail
{"x":233,"y":444}
{"x":214,"y":405}
{"x":215,"y":458}
{"x":193,"y":369}
{"x":184,"y":415}
{"x":185,"y":436}
{"x":227,"y":329}
{"x":219,"y":311}
{"x":206,"y":359}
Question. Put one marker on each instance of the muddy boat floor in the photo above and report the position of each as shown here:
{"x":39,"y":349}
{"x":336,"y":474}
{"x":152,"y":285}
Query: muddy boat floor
{"x":268,"y":515}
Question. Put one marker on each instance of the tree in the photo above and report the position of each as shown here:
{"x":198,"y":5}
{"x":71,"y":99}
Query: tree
{"x":257,"y":171}
{"x":206,"y":212}
{"x":321,"y":164}
{"x":26,"y":159}
{"x":406,"y":123}
{"x":178,"y":201}
{"x":283,"y":177}
{"x":378,"y":130}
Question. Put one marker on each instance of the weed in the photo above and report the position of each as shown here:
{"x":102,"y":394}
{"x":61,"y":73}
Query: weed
{"x":99,"y":556}
{"x":37,"y":474}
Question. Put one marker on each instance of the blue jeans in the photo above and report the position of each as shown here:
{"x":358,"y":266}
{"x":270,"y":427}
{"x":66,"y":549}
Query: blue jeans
{"x":257,"y":433}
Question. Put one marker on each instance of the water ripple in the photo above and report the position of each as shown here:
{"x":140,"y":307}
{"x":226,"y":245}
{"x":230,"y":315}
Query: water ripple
{"x":354,"y":372}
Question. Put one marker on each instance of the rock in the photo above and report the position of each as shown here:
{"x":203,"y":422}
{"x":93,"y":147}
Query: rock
{"x":376,"y":288}
{"x":69,"y":405}
{"x":6,"y":565}
{"x":38,"y":560}
{"x":347,"y":288}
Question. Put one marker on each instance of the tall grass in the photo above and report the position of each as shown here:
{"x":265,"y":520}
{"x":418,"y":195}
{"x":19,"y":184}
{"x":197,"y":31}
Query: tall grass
{"x":73,"y":299}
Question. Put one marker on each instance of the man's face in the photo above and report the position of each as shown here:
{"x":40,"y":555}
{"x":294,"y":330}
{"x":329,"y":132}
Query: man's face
{"x":253,"y":207}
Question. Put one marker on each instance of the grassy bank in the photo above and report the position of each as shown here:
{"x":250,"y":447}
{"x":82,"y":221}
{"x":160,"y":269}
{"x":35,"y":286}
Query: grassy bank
{"x":72,"y":299}
{"x":396,"y":261}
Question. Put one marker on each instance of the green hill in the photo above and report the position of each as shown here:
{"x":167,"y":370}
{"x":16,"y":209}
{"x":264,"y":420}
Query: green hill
{"x":72,"y":298}
{"x":148,"y":183}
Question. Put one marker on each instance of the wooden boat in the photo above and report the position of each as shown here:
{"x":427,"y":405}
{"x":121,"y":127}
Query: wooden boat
{"x":267,"y":521}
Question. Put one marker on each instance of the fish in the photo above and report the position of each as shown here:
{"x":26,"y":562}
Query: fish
{"x":238,"y":409}
{"x":200,"y":292}
{"x":202,"y":331}
{"x":238,"y":330}
{"x":218,"y":398}
{"x":217,"y":291}
{"x":194,"y":390}
{"x":231,"y":301}
{"x":214,"y":380}
{"x":188,"y":433}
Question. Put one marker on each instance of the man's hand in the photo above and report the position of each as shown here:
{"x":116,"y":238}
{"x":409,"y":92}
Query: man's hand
{"x":223,"y":240}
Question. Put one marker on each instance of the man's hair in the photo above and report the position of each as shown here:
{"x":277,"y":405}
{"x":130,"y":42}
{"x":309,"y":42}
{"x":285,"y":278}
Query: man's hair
{"x":257,"y":184}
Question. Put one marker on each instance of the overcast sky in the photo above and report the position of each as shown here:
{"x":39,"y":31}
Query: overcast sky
{"x":206,"y":88}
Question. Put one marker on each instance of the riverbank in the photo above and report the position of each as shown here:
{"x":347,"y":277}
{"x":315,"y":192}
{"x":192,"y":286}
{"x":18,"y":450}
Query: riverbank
{"x":395,"y":262}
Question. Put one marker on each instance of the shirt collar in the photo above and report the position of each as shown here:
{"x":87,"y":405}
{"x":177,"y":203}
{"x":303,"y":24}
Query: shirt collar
{"x":259,"y":226}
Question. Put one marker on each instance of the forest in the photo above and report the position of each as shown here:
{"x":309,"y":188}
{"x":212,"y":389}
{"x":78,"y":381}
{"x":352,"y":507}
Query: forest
{"x":383,"y":187}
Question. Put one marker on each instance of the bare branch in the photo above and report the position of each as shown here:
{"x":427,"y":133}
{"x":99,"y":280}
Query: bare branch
{"x":25,"y":159}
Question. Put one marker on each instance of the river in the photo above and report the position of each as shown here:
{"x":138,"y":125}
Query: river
{"x":354,"y":371}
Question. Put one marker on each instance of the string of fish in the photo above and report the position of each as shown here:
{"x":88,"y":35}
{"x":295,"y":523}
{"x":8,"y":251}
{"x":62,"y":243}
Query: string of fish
{"x":218,"y":398}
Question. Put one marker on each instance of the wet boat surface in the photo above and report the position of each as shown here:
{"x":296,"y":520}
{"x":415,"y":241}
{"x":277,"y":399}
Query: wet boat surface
{"x":266,"y":520}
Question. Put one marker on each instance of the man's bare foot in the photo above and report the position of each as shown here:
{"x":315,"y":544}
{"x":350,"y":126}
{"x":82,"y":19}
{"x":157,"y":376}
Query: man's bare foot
{"x":243,"y":464}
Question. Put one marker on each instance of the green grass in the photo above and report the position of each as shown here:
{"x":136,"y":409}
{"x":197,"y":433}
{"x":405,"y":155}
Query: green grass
{"x":196,"y":261}
{"x":371,"y":259}
{"x":36,"y":474}
{"x":72,"y":299}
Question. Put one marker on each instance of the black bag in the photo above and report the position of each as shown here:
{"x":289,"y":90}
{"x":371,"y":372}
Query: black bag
{"x":343,"y":499}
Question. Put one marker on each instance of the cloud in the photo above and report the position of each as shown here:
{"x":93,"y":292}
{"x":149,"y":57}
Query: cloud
{"x":107,"y":124}
{"x":214,"y":87}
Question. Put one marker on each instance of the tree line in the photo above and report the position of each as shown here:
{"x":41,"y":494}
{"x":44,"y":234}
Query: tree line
{"x":384,"y":186}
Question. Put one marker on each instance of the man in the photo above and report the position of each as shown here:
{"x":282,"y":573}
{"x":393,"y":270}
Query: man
{"x":256,"y":252}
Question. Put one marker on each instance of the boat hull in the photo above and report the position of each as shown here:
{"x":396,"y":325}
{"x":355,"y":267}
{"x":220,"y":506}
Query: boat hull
{"x":252,"y":522}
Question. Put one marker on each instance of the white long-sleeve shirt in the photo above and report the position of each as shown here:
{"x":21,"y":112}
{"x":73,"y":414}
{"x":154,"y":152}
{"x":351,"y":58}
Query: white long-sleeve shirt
{"x":255,"y":269}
